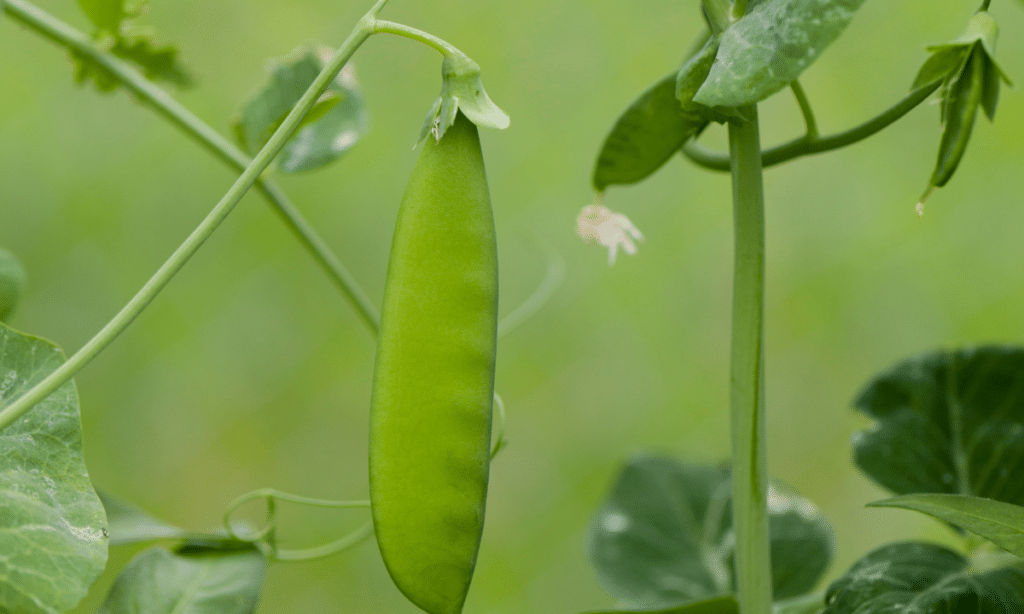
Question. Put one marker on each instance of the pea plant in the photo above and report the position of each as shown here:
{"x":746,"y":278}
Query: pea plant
{"x":671,"y":537}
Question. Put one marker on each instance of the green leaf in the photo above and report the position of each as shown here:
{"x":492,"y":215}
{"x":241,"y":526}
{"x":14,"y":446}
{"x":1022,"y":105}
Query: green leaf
{"x":1000,"y":523}
{"x":664,"y":536}
{"x":918,"y":578}
{"x":107,"y":15}
{"x":12,"y":282}
{"x":655,"y":125}
{"x":128,"y":524}
{"x":117,"y":34}
{"x":947,"y":422}
{"x":771,"y":46}
{"x":212,"y":581}
{"x":944,"y":61}
{"x":52,"y":540}
{"x":718,"y":605}
{"x":338,"y":120}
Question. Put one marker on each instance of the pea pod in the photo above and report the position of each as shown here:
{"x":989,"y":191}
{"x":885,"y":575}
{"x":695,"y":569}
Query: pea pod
{"x":430,"y":416}
{"x":959,"y":108}
{"x":12,"y":280}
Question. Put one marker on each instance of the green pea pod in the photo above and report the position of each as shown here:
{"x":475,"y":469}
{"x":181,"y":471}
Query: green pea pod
{"x":433,"y":385}
{"x":959,"y":109}
{"x":12,"y":280}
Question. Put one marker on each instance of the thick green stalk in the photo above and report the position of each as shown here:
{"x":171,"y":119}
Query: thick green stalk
{"x":163,"y":276}
{"x":747,"y":415}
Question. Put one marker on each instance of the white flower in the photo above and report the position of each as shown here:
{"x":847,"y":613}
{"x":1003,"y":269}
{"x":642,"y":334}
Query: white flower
{"x":597,"y":223}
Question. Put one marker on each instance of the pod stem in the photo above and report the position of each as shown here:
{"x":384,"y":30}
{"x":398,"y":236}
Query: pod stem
{"x":747,"y":407}
{"x":446,"y":49}
{"x":14,"y":410}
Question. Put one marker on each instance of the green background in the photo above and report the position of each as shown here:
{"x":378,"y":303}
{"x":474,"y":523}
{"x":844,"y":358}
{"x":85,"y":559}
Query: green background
{"x":250,"y":370}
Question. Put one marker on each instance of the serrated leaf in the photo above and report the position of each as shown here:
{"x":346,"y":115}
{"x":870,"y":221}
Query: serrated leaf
{"x":199,"y":582}
{"x":918,"y":578}
{"x":158,"y":64}
{"x":664,"y":536}
{"x":336,"y":123}
{"x":52,"y":542}
{"x":107,"y":15}
{"x":655,"y":125}
{"x":947,"y":422}
{"x":127,"y":524}
{"x":1000,"y":523}
{"x":12,"y":281}
{"x":718,"y":605}
{"x":771,"y":46}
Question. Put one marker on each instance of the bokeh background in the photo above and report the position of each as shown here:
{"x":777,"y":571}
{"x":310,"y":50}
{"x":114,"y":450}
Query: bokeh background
{"x":250,"y":370}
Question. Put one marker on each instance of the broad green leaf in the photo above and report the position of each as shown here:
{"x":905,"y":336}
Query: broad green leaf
{"x":52,"y":526}
{"x":1000,"y":523}
{"x":664,"y":536}
{"x":655,"y":125}
{"x":197,"y":581}
{"x":918,"y":578}
{"x":128,"y":524}
{"x":338,"y":120}
{"x":947,"y":422}
{"x":12,"y":281}
{"x":718,"y":605}
{"x":771,"y":46}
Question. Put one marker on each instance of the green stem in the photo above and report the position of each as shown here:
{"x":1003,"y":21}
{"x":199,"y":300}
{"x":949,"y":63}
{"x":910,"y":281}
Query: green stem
{"x":186,"y":121}
{"x":984,"y":5}
{"x":749,"y":461}
{"x":805,"y":146}
{"x":390,"y":27}
{"x":163,"y":276}
{"x":805,"y":110}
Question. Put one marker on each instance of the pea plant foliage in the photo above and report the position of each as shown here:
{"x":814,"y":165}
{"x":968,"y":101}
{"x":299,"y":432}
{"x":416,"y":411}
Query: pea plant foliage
{"x":947,"y":427}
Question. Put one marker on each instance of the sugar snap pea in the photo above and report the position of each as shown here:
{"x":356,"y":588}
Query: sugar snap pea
{"x":430,"y":416}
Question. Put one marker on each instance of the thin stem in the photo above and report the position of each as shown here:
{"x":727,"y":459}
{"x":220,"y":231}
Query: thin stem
{"x":552,"y":279}
{"x":804,"y":146}
{"x":984,"y":5}
{"x":179,"y":116}
{"x":805,"y":109}
{"x":390,"y":27}
{"x":749,"y":461}
{"x":163,"y":276}
{"x":350,"y":540}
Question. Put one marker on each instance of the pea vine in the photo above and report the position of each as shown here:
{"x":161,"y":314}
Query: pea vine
{"x":947,"y":427}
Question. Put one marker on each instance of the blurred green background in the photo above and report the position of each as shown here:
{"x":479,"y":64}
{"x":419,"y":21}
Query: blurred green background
{"x":250,"y":370}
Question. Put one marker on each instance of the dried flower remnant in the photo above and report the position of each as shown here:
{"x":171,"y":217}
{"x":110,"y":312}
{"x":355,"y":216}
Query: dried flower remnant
{"x":598,"y":224}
